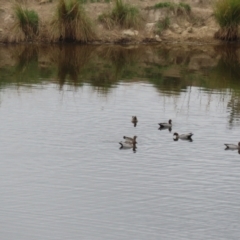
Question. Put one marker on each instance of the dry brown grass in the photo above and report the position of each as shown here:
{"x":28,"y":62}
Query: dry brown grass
{"x":71,"y":23}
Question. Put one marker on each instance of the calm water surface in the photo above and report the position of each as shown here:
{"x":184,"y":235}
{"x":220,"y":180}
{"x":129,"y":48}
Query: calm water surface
{"x":63,"y":112}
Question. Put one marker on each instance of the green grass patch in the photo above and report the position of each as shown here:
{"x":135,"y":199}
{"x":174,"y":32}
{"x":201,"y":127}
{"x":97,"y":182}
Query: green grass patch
{"x":227,"y":14}
{"x":26,"y":20}
{"x":123,"y":15}
{"x":72,"y":22}
{"x":93,"y":1}
{"x":162,"y":25}
{"x":185,"y":6}
{"x":164,"y":5}
{"x":177,"y":8}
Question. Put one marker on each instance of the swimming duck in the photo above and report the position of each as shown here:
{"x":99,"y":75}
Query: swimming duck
{"x":129,"y":139}
{"x":166,"y":125}
{"x":134,"y":120}
{"x":232,"y":146}
{"x":183,"y":136}
{"x":129,"y":143}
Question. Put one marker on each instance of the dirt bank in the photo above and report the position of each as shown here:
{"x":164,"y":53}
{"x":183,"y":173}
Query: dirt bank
{"x":198,"y":26}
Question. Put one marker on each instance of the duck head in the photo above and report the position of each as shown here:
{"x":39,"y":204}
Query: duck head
{"x":134,"y":119}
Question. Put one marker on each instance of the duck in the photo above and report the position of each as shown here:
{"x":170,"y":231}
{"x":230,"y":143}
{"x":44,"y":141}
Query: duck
{"x":129,"y":139}
{"x":166,"y":125}
{"x":127,"y":144}
{"x":232,"y":146}
{"x":183,"y":136}
{"x":134,"y":120}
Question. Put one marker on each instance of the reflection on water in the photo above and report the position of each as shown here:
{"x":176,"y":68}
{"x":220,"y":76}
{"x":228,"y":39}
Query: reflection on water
{"x":64,"y":110}
{"x":165,"y":128}
{"x":171,"y":70}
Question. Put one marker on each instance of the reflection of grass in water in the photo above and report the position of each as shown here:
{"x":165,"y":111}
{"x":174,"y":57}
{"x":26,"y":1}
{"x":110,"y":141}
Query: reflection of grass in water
{"x":71,"y":60}
{"x":227,"y":71}
{"x":103,"y":67}
{"x":116,"y":63}
{"x":26,"y":70}
{"x":227,"y":75}
{"x":170,"y":85}
{"x":160,"y":73}
{"x":122,"y":59}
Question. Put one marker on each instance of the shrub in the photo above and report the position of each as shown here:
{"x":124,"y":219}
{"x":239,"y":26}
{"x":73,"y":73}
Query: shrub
{"x":227,"y":14}
{"x":27,"y":21}
{"x":123,"y":15}
{"x":72,"y":22}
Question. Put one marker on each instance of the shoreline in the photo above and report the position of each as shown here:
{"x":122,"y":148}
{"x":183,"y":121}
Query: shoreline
{"x":197,"y":27}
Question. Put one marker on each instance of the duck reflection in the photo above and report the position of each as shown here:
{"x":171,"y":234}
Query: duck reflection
{"x":165,"y":128}
{"x":188,"y":140}
{"x":229,"y":149}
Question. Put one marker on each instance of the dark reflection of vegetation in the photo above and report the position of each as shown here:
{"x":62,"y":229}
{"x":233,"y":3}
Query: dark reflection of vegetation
{"x":118,"y":63}
{"x":27,"y":65}
{"x":227,"y":75}
{"x":166,"y":75}
{"x":228,"y":66}
{"x":70,"y":61}
{"x":171,"y":69}
{"x":122,"y":60}
{"x":25,"y":68}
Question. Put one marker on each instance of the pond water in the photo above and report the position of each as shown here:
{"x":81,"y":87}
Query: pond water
{"x":63,"y":111}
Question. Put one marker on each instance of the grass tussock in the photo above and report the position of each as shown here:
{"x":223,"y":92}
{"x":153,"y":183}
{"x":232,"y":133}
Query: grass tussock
{"x":162,"y":25}
{"x":123,"y":15}
{"x":227,"y":14}
{"x":71,"y":22}
{"x":180,"y":8}
{"x":27,"y":22}
{"x":94,"y":1}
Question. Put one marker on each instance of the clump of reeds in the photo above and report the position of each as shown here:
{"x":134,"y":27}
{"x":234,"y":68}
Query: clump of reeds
{"x":72,"y":22}
{"x":227,"y":14}
{"x":179,"y":8}
{"x":27,"y":21}
{"x":164,"y":5}
{"x":185,"y":6}
{"x":123,"y":15}
{"x":162,"y":25}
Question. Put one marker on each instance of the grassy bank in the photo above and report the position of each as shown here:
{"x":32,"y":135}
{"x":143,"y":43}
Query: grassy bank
{"x":116,"y":21}
{"x":227,"y":14}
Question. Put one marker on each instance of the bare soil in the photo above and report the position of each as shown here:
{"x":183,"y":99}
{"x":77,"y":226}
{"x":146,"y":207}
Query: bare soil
{"x":198,"y":26}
